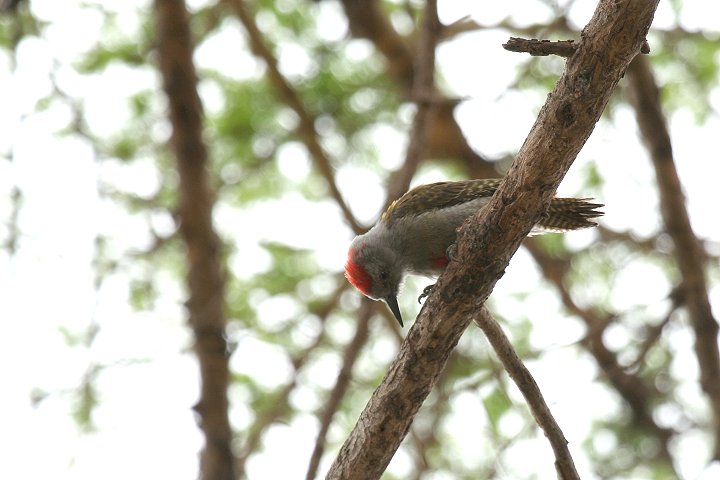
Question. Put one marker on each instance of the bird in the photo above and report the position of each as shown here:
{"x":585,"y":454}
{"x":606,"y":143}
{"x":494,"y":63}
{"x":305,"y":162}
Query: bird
{"x":415,"y":234}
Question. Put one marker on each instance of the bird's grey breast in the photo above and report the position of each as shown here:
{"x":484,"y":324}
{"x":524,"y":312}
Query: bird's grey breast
{"x":422,"y":240}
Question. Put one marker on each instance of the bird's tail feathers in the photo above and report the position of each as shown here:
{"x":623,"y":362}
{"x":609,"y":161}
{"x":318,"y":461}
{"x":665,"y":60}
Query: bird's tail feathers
{"x":567,"y":214}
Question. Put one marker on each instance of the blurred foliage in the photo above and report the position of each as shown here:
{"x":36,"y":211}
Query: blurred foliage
{"x":342,"y":83}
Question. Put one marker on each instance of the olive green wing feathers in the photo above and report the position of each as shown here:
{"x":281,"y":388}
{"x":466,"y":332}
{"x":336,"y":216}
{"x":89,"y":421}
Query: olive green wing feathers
{"x":564,"y":214}
{"x":433,"y":196}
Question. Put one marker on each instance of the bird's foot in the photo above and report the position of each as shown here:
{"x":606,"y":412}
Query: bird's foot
{"x":451,"y":252}
{"x":426,"y":291}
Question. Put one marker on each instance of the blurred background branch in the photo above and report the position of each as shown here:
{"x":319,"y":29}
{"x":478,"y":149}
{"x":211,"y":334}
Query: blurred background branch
{"x":688,"y":252}
{"x":205,"y":277}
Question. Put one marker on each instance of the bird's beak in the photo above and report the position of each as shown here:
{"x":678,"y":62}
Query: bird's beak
{"x":392,"y":303}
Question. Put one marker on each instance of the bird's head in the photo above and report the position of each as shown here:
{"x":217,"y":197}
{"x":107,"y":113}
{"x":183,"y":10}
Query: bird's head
{"x":375,"y":272}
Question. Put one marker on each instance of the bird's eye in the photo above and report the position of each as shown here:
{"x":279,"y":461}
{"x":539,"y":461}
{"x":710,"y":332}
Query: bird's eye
{"x":383,"y":275}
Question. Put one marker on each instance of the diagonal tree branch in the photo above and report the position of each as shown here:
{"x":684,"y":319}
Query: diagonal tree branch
{"x":206,"y":281}
{"x":490,"y":238}
{"x":689,"y":254}
{"x":564,"y":464}
{"x":638,"y":394}
{"x":306,"y":126}
{"x":653,"y":333}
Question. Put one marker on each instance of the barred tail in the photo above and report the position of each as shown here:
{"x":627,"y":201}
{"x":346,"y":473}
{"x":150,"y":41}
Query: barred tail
{"x":567,"y":214}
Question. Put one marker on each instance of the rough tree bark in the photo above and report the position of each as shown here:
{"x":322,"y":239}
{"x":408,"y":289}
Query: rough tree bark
{"x":204,"y":278}
{"x":487,"y":241}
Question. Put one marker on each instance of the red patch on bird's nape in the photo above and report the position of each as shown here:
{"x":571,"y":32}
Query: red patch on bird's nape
{"x":357,"y":275}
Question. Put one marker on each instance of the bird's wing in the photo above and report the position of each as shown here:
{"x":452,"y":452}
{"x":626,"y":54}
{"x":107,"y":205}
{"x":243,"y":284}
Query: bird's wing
{"x":433,"y":196}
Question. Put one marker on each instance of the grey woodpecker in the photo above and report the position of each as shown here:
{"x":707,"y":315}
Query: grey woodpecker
{"x":414,"y":234}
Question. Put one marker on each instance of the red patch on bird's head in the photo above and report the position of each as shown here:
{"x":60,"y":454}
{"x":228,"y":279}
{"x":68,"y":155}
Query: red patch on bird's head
{"x":357,"y":275}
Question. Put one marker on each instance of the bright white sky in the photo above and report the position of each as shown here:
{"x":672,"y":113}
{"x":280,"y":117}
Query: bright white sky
{"x":146,"y":429}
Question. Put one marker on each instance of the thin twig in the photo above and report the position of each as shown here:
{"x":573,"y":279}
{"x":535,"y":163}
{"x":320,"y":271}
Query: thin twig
{"x":654,"y":332}
{"x":540,"y":48}
{"x":528,"y":387}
